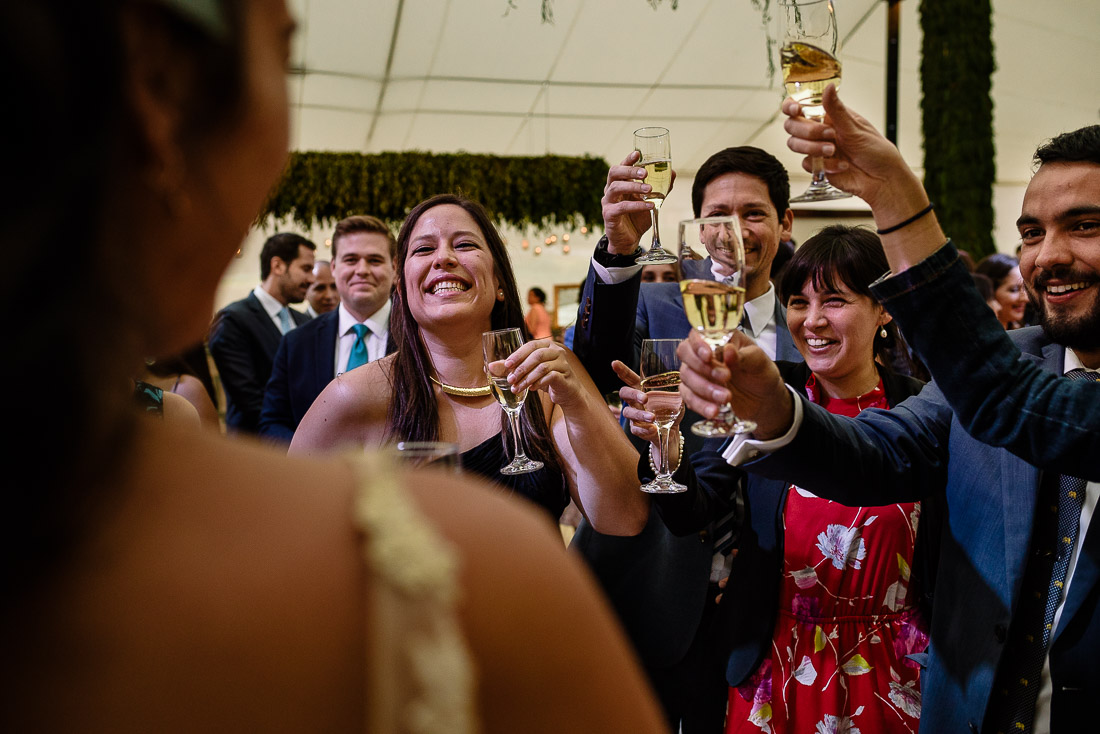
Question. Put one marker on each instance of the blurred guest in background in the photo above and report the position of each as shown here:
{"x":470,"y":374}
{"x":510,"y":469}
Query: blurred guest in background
{"x":322,"y":296}
{"x":538,"y":318}
{"x":246,"y":333}
{"x":1008,"y":287}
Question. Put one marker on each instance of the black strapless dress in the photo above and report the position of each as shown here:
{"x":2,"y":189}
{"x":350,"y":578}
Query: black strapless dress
{"x":546,"y":488}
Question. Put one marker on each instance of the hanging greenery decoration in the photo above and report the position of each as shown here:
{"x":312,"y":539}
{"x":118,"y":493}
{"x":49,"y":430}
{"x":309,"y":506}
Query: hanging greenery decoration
{"x":957,"y":118}
{"x":545,"y":191}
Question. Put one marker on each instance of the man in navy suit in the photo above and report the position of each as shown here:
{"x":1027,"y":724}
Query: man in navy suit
{"x":663,"y":586}
{"x":363,"y":250}
{"x":246,"y":333}
{"x":1015,"y":629}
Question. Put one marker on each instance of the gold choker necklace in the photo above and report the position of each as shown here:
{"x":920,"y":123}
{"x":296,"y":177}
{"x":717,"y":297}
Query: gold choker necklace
{"x":462,"y":392}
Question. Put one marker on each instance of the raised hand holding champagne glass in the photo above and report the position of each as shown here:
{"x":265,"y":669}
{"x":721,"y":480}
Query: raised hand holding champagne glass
{"x":714,"y":307}
{"x":497,"y":346}
{"x":660,"y":367}
{"x":655,"y":149}
{"x":810,"y":60}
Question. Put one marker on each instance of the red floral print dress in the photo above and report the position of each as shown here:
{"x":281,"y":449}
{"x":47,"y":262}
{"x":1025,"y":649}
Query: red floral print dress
{"x":845,"y":622}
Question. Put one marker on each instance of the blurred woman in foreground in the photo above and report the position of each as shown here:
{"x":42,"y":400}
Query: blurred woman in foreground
{"x":158,"y":579}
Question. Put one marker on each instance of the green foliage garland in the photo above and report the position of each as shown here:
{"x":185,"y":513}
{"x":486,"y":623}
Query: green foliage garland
{"x":546,"y":191}
{"x":957,"y":118}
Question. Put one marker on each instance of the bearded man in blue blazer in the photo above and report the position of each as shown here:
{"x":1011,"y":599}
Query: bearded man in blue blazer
{"x":309,"y":357}
{"x":664,"y":586}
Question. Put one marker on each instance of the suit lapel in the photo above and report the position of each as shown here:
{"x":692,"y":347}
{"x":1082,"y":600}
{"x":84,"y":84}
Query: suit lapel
{"x":265,"y":327}
{"x":324,"y":350}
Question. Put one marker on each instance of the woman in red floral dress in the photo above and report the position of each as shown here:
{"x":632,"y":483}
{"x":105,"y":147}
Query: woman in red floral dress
{"x":820,"y":611}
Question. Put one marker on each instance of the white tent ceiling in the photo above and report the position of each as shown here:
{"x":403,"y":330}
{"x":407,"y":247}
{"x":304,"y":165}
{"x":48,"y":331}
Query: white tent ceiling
{"x":476,"y":75}
{"x":450,"y":75}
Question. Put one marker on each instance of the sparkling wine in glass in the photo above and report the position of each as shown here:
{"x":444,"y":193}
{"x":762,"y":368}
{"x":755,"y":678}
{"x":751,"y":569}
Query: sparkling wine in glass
{"x":656,"y":158}
{"x":660,"y":367}
{"x":497,"y":346}
{"x":714,"y":307}
{"x":810,"y":60}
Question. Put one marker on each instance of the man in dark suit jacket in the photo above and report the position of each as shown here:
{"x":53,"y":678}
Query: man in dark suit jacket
{"x":663,"y":586}
{"x":1015,"y":628}
{"x":246,"y":333}
{"x":363,"y":250}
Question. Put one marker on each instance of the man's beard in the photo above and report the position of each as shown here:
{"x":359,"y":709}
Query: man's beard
{"x":1079,"y":331}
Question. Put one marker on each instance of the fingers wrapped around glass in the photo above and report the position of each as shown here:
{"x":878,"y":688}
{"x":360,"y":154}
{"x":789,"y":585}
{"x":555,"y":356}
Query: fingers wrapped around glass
{"x":498,"y":346}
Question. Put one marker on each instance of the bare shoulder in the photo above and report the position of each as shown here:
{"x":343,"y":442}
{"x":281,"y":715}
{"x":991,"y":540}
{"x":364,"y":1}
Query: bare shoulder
{"x":350,"y":411}
{"x":536,"y":601}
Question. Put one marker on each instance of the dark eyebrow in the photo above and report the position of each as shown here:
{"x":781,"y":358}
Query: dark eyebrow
{"x":1084,"y":210}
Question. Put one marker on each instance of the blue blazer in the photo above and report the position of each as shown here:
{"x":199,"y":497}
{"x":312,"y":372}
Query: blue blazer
{"x":243,"y":342}
{"x":919,"y":448}
{"x":656,"y":581}
{"x":304,"y":364}
{"x":999,"y":398}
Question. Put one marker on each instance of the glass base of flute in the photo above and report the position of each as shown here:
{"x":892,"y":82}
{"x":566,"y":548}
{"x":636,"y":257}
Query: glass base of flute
{"x":820,"y":189}
{"x":663,"y":483}
{"x":723,"y":424}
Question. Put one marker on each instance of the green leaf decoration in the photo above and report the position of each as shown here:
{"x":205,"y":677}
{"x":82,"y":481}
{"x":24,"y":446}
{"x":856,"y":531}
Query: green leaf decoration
{"x":545,"y":191}
{"x":957,"y":119}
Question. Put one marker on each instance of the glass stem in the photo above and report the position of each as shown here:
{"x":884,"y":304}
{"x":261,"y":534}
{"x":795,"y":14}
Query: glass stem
{"x":663,"y":435}
{"x":656,"y":235}
{"x":517,"y":447}
{"x":819,"y":180}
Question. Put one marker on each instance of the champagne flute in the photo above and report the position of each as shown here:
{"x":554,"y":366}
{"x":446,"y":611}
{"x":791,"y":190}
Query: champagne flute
{"x":497,"y":346}
{"x":660,"y":369}
{"x":656,"y":158}
{"x":809,"y":57}
{"x":714,"y":307}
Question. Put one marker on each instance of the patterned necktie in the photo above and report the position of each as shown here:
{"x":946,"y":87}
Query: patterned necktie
{"x":285,"y":324}
{"x":1057,"y":520}
{"x":359,"y":354}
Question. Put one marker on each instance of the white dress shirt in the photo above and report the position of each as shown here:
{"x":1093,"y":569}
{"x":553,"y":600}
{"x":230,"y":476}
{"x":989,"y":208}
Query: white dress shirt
{"x":379,"y":325}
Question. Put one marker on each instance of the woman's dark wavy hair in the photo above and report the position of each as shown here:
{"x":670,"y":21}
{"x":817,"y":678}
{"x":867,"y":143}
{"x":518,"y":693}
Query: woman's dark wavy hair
{"x":413,"y":413}
{"x":996,"y":267}
{"x":78,"y":150}
{"x":848,"y":256}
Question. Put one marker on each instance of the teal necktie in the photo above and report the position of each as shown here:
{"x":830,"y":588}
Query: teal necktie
{"x":359,"y":354}
{"x":285,"y":324}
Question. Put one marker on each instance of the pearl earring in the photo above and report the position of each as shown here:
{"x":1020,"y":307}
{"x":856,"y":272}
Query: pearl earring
{"x":882,"y":332}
